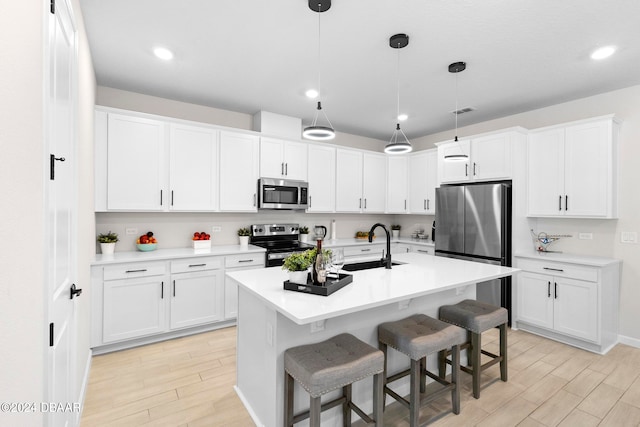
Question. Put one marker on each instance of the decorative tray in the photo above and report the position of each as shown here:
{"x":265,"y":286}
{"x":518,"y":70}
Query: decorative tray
{"x":330,"y":286}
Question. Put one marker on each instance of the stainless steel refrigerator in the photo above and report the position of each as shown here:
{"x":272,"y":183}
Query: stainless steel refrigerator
{"x":473,"y":223}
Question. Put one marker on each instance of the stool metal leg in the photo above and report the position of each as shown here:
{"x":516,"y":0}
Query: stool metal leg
{"x":455,"y":375}
{"x":476,"y":342}
{"x":378,"y":398}
{"x":503,"y":352}
{"x":414,"y":393}
{"x":346,"y":410}
{"x":288,"y":400}
{"x":314,"y":414}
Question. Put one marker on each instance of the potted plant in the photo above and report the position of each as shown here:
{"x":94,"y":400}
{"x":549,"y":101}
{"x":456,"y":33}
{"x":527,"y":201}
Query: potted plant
{"x":304,"y":233}
{"x":107,"y":242}
{"x":297,"y":265}
{"x":395,"y":230}
{"x":243,"y":235}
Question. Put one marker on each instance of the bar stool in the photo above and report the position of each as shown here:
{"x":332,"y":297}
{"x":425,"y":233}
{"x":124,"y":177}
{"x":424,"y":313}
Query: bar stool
{"x":477,"y":317}
{"x":418,"y":336}
{"x":329,"y":365}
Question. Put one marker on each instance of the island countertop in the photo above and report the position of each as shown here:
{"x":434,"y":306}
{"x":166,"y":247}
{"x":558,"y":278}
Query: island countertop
{"x":420,"y":275}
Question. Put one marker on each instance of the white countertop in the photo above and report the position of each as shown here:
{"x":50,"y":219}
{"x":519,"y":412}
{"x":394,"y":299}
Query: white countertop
{"x":167,"y":254}
{"x":331,"y":243}
{"x":589,"y":260}
{"x":421,"y":275}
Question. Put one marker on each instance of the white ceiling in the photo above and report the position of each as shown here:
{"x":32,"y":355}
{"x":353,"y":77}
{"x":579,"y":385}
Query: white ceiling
{"x":252,"y":55}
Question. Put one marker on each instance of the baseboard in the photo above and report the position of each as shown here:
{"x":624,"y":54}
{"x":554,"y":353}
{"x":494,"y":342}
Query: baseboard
{"x":252,"y":414}
{"x":83,"y":388}
{"x":633,"y":342}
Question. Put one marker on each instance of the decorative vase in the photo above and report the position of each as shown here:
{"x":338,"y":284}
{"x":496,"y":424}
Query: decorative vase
{"x":107,"y":248}
{"x":244,"y":241}
{"x":299,"y":277}
{"x":395,"y":234}
{"x":304,"y":238}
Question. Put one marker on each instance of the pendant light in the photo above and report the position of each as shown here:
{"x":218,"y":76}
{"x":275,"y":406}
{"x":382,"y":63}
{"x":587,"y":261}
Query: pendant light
{"x":395,"y":146}
{"x":457,"y":67}
{"x":317,"y":132}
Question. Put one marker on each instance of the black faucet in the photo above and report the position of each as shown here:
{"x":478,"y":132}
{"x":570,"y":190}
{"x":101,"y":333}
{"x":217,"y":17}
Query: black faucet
{"x":387,"y":258}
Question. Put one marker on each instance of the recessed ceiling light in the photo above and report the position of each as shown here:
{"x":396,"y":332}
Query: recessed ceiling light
{"x":311,"y":93}
{"x":402,"y":117}
{"x":603,"y":52}
{"x":163,"y":53}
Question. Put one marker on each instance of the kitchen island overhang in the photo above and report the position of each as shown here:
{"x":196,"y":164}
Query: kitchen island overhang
{"x":270,"y":320}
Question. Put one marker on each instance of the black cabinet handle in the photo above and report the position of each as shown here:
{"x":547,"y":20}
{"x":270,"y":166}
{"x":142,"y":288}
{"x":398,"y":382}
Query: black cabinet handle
{"x":245,"y":260}
{"x":161,"y":290}
{"x":360,"y":206}
{"x":142,"y":270}
{"x":197,"y":265}
{"x":309,"y":201}
{"x":171,"y":197}
{"x":365,"y":203}
{"x":566,"y":202}
{"x":254,"y":199}
{"x":553,"y":269}
{"x":559,"y":203}
{"x":174,"y":288}
{"x":282,"y":168}
{"x":428,"y":203}
{"x":160,"y":197}
{"x":286,"y":169}
{"x":466,"y":169}
{"x":365,"y":250}
{"x":555,"y":290}
{"x":474,"y":168}
{"x":425,"y":204}
{"x":549,"y":289}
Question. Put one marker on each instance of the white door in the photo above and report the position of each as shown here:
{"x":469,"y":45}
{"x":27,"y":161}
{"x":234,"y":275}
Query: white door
{"x":491,"y":157}
{"x":61,"y":214}
{"x":197,"y":298}
{"x":374,"y":183}
{"x":576,"y":308}
{"x":239,"y":165}
{"x":418,"y":183}
{"x":397,"y":185}
{"x":535,"y":299}
{"x":322,"y":178}
{"x":546,"y":173}
{"x":432,"y":181}
{"x":348,"y":180}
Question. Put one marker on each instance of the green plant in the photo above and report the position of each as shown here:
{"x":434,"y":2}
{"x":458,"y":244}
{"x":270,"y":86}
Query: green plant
{"x":304,"y":230}
{"x":244,"y":232}
{"x":108,"y":237}
{"x":299,"y":261}
{"x":396,"y":226}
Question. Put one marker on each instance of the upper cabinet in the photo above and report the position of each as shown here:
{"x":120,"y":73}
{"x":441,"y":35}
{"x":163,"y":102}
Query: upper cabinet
{"x":374,"y":182}
{"x":135,"y":167}
{"x":572,"y":169}
{"x":360,"y":181}
{"x":283,"y":159}
{"x":322,"y":178}
{"x":193,"y":168}
{"x":489,"y":157}
{"x":239,"y":165}
{"x":397,"y":185}
{"x":423,"y":180}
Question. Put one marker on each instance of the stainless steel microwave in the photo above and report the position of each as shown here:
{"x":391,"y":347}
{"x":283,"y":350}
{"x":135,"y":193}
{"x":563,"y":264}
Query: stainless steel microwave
{"x":282,"y":194}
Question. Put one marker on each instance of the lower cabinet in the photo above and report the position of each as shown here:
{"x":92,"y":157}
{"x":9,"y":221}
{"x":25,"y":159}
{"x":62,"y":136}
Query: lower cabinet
{"x":196,"y":298}
{"x":576,"y":304}
{"x":403,"y":248}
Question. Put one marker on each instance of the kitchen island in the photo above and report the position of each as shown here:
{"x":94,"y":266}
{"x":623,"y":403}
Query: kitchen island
{"x":270,"y":320}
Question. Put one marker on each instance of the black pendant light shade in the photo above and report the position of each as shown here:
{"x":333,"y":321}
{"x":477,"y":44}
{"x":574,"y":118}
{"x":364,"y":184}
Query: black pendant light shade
{"x":455,"y":68}
{"x":395,"y":146}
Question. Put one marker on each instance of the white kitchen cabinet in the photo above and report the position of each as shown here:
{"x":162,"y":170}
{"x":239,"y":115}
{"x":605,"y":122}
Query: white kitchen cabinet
{"x":397,"y":184}
{"x":136,"y":171}
{"x":322,"y":178}
{"x":573,"y":303}
{"x":572,"y":170}
{"x":283,"y":159}
{"x":193,"y":170}
{"x":239,"y":165}
{"x":402,"y":248}
{"x":236,"y":263}
{"x":454,"y":171}
{"x":348,"y":180}
{"x":423,"y":180}
{"x":374,"y":182}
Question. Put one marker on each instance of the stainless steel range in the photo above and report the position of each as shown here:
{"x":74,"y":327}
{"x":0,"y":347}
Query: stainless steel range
{"x":280,"y":241}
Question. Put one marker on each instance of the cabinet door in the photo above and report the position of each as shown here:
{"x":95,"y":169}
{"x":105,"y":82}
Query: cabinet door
{"x":576,"y":308}
{"x":193,"y":172}
{"x":322,"y":178}
{"x":295,"y":160}
{"x":418,"y":172}
{"x":545,"y":173}
{"x":397,"y":185}
{"x":535,"y":299}
{"x":134,"y":308}
{"x":197,"y":298}
{"x":348,"y":180}
{"x":136,"y":170}
{"x":425,"y":250}
{"x":454,"y":171}
{"x":491,"y":157}
{"x":587,"y":169}
{"x":239,"y":162}
{"x":432,"y":181}
{"x":374,"y":183}
{"x":271,"y":161}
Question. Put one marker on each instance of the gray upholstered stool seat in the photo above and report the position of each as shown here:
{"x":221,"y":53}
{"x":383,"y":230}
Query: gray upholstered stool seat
{"x":418,"y":336}
{"x":329,"y":365}
{"x":477,"y":317}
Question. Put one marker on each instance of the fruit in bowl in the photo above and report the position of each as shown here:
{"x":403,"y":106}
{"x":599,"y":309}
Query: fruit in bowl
{"x":201,"y":240}
{"x":201,"y":236}
{"x":147,"y":242}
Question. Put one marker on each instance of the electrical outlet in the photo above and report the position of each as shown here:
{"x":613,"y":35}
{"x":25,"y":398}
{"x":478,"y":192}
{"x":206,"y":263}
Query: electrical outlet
{"x":216,"y":229}
{"x":131,"y":231}
{"x":629,"y":237}
{"x":317,"y":326}
{"x":585,"y":236}
{"x":402,"y":305}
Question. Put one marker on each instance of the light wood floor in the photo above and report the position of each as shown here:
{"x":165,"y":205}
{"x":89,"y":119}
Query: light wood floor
{"x":189,"y":382}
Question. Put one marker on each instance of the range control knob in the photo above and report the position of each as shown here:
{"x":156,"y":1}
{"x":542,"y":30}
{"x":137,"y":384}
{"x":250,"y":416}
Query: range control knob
{"x":260,"y":230}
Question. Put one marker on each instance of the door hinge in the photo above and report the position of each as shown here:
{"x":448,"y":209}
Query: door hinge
{"x":51,"y":334}
{"x":53,"y":6}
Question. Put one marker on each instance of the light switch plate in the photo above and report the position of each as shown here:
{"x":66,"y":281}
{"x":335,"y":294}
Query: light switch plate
{"x":132,"y":231}
{"x":216,"y":229}
{"x":629,"y":237}
{"x":585,"y":236}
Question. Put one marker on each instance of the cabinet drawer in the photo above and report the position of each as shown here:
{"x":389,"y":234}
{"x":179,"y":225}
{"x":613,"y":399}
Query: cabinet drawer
{"x":373,"y":250}
{"x":245,"y":260}
{"x":426,"y":250}
{"x":126,"y":271}
{"x":559,"y":269}
{"x":196,"y":264}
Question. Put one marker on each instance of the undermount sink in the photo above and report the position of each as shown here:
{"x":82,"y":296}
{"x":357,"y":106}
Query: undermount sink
{"x":367,"y":265}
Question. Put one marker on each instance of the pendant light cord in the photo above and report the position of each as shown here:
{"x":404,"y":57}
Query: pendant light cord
{"x":398,"y":83}
{"x":456,"y":110}
{"x":319,"y":92}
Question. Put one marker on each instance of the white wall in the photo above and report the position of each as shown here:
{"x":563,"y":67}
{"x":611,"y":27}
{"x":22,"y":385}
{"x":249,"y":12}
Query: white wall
{"x":624,"y":104}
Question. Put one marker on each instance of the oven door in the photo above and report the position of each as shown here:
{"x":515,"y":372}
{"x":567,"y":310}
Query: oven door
{"x":282,"y":194}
